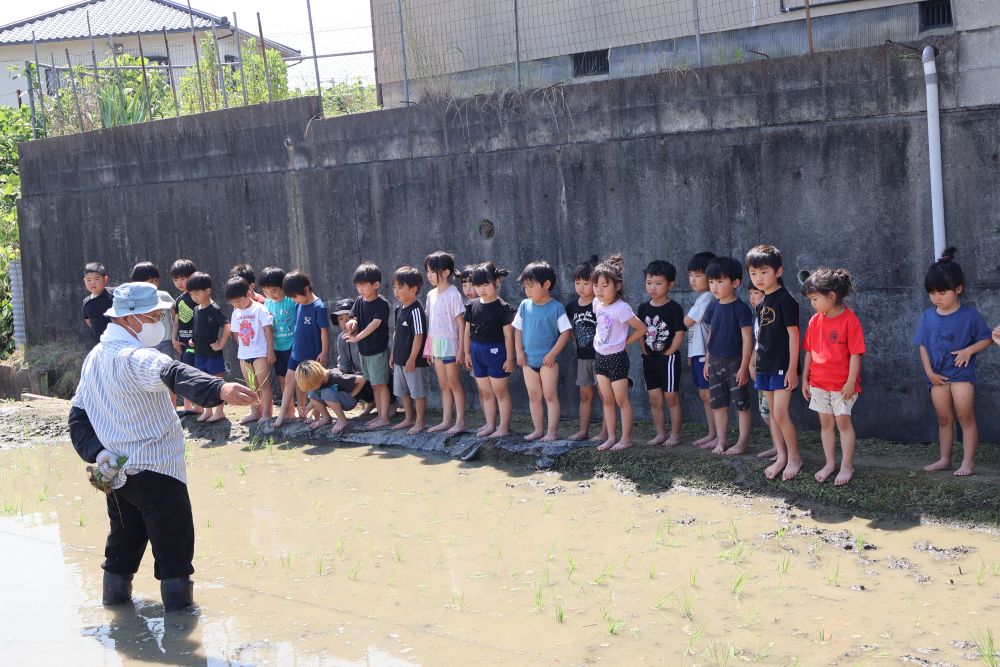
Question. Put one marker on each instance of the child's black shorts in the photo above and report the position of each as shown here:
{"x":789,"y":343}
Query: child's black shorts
{"x":612,"y":366}
{"x":660,"y":371}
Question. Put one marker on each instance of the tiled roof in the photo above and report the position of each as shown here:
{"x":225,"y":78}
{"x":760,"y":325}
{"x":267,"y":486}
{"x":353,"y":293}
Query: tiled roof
{"x":110,"y":17}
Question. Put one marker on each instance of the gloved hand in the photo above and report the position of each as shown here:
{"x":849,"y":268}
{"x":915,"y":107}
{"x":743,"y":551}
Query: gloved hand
{"x":107,"y":465}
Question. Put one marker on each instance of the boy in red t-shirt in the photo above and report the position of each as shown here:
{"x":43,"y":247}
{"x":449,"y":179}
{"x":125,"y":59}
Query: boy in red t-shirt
{"x":834,"y":344}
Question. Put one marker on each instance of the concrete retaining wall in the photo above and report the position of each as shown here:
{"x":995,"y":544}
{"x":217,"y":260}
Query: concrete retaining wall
{"x":825,"y":157}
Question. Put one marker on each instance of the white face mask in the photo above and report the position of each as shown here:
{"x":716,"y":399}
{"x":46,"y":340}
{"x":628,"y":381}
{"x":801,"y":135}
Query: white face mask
{"x":150,"y":334}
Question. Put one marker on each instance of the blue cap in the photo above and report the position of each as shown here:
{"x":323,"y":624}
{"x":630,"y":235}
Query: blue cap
{"x":136,"y":299}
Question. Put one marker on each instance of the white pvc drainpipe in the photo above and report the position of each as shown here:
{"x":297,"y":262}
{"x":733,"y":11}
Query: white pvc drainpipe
{"x":934,"y":148}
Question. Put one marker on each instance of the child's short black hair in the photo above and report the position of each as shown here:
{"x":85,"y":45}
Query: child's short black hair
{"x":143,"y":272}
{"x":244,"y":271}
{"x":659,"y":267}
{"x":538,"y":272}
{"x":724,"y":267}
{"x":439,"y":262}
{"x":465,"y":275}
{"x":272,"y":276}
{"x":487,"y":274}
{"x":584,"y":269}
{"x":235,"y":288}
{"x":199,"y":281}
{"x":944,"y":274}
{"x":825,"y":280}
{"x":296,"y":283}
{"x":368,"y":272}
{"x":409,"y":276}
{"x":699,"y":262}
{"x":182,"y":268}
{"x":95,"y":267}
{"x":762,"y":256}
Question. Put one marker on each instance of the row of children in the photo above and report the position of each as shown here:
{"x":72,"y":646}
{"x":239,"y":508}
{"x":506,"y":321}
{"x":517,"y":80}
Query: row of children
{"x":730,"y":344}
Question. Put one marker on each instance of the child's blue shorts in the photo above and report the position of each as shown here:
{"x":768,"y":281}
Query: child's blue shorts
{"x":698,"y":372}
{"x":211,"y":365}
{"x":770,"y":382}
{"x":488,"y":359}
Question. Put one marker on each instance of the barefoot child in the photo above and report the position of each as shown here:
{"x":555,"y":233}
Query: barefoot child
{"x":950,"y":336}
{"x":580,"y":311}
{"x":727,"y":353}
{"x":282,"y":310}
{"x":311,"y":341}
{"x":252,"y":325}
{"x":611,"y":364}
{"x":446,"y":330}
{"x":407,"y":357}
{"x":330,"y":388}
{"x":541,"y":330}
{"x":831,"y":370}
{"x":369,"y":328}
{"x":489,"y":348}
{"x":776,"y":356}
{"x":697,"y":336}
{"x":183,"y":314}
{"x":211,"y":333}
{"x":664,"y":321}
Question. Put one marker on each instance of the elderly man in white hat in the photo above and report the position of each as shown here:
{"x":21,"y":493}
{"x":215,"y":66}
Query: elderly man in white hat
{"x":122,"y":408}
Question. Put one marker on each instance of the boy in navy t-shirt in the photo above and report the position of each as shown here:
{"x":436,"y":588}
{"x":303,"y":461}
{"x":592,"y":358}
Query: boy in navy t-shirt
{"x":312,"y":336}
{"x":727,"y":354}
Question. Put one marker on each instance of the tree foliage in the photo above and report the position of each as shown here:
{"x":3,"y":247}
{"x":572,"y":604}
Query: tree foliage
{"x":15,"y":127}
{"x":212,"y":82}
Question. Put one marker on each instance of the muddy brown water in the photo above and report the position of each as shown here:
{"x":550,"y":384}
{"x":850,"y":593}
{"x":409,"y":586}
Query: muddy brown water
{"x":355,"y":556}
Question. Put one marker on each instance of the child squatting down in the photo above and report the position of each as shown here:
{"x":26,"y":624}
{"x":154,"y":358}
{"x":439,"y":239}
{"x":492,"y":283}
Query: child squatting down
{"x":744,"y":349}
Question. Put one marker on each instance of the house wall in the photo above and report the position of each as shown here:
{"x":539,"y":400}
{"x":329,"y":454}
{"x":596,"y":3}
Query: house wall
{"x":826,"y":157}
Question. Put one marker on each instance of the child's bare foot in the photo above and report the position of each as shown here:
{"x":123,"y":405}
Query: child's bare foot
{"x":406,"y":423}
{"x":707,"y":442}
{"x":579,"y":435}
{"x":824,"y":473}
{"x":499,"y":433}
{"x":485,"y":430}
{"x":203,"y":416}
{"x":216,"y":418}
{"x":658,"y":440}
{"x":279,"y":421}
{"x":720,"y":448}
{"x":740,"y":448}
{"x":774,"y":469}
{"x":457,"y":428}
{"x":339,"y":426}
{"x":417,"y":428}
{"x":249,"y":418}
{"x":320,"y":423}
{"x":621,"y":445}
{"x":263,"y":421}
{"x":769,"y":454}
{"x":940,"y":464}
{"x":377,"y":424}
{"x":965,"y":470}
{"x":550,"y":437}
{"x":844,"y":476}
{"x":607,"y":444}
{"x":672,"y":441}
{"x":792,"y":469}
{"x":535,"y":435}
{"x":443,"y":426}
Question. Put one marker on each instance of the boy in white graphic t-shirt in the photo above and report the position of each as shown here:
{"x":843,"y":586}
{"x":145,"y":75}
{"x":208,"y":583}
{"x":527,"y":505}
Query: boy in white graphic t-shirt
{"x":252,"y":327}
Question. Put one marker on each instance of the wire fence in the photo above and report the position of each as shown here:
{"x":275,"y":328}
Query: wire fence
{"x":413,"y":51}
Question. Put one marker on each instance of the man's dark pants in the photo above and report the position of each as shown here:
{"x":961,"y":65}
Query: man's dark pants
{"x":153,"y":508}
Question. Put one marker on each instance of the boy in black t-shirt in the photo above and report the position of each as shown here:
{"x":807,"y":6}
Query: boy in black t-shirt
{"x":95,"y":279}
{"x":369,"y":328}
{"x":776,"y":356}
{"x":407,"y":359}
{"x":664,"y":320}
{"x":580,"y":312}
{"x":183,"y":314}
{"x":211,"y":333}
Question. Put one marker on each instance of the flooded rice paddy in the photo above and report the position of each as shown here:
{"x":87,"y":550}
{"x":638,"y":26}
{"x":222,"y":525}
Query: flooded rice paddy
{"x":356,"y":556}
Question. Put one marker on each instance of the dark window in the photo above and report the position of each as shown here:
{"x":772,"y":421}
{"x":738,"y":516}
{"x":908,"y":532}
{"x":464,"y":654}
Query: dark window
{"x":591,"y":63}
{"x":935,"y":14}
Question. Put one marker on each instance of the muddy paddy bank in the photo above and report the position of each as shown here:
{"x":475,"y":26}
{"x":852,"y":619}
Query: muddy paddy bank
{"x":312,"y":553}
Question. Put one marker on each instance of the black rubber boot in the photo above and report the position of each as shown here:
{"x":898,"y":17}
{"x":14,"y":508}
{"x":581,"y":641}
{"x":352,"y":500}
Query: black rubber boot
{"x":117,"y":588}
{"x":177,"y":593}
